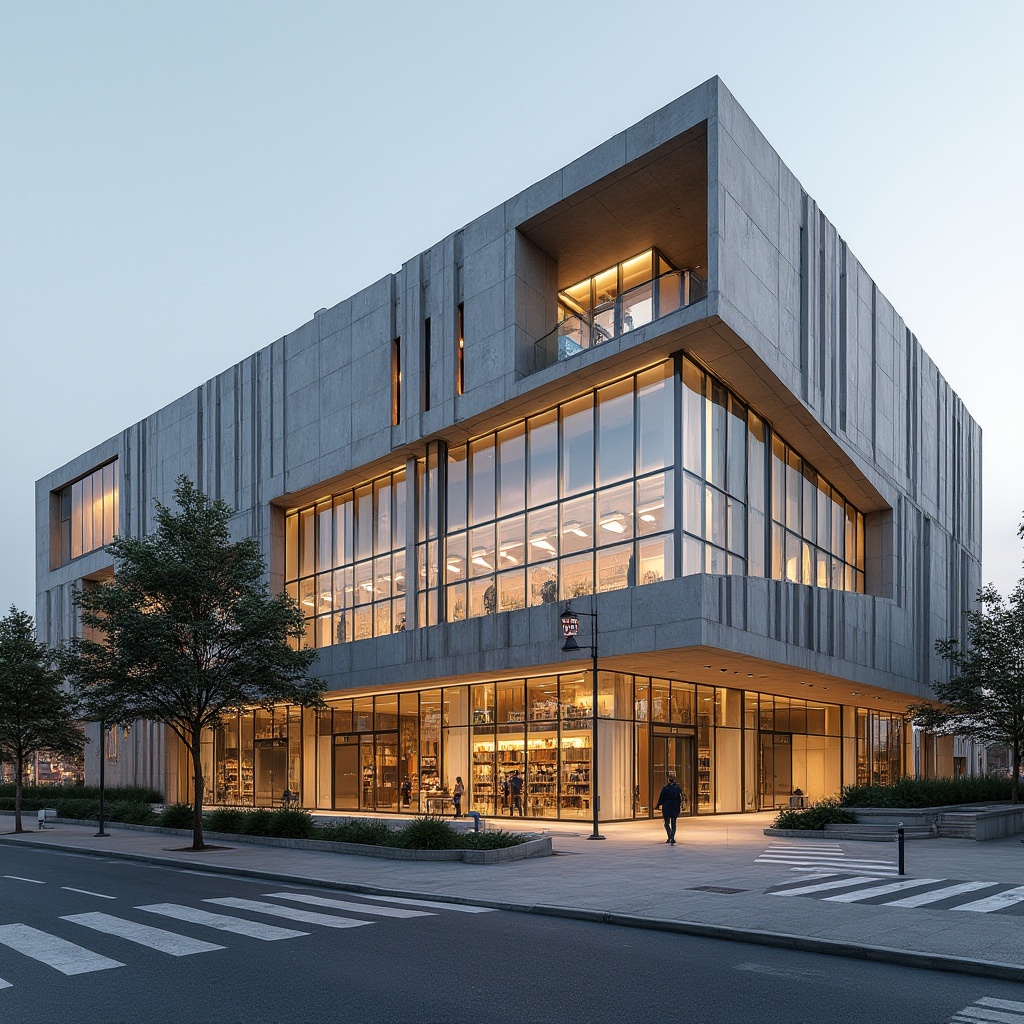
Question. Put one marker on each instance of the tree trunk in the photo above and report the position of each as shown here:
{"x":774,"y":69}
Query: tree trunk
{"x":1015,"y":784}
{"x":19,"y":771}
{"x":197,"y":788}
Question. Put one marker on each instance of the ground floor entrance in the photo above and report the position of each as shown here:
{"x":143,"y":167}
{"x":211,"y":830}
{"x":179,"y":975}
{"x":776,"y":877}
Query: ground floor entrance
{"x":666,"y":753}
{"x":730,"y":750}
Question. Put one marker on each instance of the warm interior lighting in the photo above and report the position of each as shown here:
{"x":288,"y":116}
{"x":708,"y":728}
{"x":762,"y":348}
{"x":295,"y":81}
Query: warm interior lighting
{"x":509,"y":558}
{"x":613,"y":523}
{"x":540,"y":540}
{"x":453,"y":566}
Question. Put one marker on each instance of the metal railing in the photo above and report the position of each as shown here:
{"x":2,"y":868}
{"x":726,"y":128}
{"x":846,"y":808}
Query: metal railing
{"x":632,"y":309}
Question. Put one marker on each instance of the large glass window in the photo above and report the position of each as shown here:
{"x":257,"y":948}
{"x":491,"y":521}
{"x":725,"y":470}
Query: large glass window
{"x":345,"y":562}
{"x":596,"y":478}
{"x":88,"y":513}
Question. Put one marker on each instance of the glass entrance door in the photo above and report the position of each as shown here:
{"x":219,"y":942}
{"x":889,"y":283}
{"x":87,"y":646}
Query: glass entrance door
{"x":346,"y":774}
{"x":672,"y":754}
{"x":776,"y":769}
{"x":387,"y":772}
{"x":271,"y":771}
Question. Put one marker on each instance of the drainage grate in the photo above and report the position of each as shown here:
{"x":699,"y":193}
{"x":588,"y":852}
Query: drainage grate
{"x":714,"y":888}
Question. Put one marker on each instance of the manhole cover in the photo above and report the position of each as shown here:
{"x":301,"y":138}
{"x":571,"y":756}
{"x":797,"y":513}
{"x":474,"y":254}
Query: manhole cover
{"x":714,"y":888}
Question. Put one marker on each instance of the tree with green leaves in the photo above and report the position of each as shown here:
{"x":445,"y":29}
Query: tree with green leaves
{"x":187,"y":631}
{"x":36,"y":713}
{"x":984,"y":695}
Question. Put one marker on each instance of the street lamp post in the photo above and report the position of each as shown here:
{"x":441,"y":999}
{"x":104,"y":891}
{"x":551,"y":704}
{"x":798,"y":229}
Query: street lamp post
{"x":570,"y":630}
{"x":103,"y":759}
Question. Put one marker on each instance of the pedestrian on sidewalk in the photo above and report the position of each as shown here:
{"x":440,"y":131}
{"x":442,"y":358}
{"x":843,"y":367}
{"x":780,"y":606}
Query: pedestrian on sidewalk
{"x":457,"y":795}
{"x":670,"y":800}
{"x":515,"y":787}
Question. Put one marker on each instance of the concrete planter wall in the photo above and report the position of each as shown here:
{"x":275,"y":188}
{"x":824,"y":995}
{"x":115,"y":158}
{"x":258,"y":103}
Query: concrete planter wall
{"x":536,"y":847}
{"x":958,"y":821}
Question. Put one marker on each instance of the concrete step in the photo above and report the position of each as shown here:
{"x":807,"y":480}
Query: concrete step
{"x":879,"y":833}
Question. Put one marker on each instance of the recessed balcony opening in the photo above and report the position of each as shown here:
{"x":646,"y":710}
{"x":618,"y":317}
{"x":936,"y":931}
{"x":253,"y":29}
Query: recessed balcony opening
{"x":615,"y":255}
{"x":617,"y":300}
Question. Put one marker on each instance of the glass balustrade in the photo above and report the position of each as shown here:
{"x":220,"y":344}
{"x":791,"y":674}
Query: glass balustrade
{"x":633,"y":308}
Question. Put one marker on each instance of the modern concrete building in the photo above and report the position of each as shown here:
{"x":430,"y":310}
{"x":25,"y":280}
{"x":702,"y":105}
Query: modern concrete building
{"x":657,"y":384}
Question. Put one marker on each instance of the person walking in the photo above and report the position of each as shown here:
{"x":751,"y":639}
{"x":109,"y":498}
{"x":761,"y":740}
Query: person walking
{"x":457,"y":795}
{"x":515,"y":788}
{"x":670,"y":801}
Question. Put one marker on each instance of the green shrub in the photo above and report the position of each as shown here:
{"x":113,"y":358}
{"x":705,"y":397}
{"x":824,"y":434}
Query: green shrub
{"x":286,"y":823}
{"x":85,"y":810}
{"x":134,"y":812}
{"x":365,"y":831}
{"x":255,"y":823}
{"x":816,"y":817}
{"x":427,"y":834}
{"x":224,"y":819}
{"x":499,"y":839}
{"x":929,"y":792}
{"x":176,"y":816}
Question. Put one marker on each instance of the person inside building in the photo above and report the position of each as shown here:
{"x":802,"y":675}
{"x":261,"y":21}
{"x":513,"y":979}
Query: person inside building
{"x":515,"y":787}
{"x":457,"y":793}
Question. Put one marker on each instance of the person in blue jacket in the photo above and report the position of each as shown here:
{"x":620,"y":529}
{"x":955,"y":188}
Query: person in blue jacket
{"x":670,"y":800}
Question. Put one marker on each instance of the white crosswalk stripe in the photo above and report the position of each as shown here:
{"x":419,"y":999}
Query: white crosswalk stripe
{"x":863,"y":888}
{"x":835,"y":883}
{"x":70,"y":958}
{"x":362,"y":908}
{"x":144,"y":934}
{"x":223,"y":922}
{"x":459,"y":908}
{"x":922,"y":899}
{"x":1000,"y":901}
{"x":1000,"y":1011}
{"x":63,"y":956}
{"x":880,"y":890}
{"x":291,"y":913}
{"x":807,"y":856}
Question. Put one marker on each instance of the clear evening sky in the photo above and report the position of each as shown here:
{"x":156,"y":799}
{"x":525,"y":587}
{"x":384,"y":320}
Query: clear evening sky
{"x":183,"y":183}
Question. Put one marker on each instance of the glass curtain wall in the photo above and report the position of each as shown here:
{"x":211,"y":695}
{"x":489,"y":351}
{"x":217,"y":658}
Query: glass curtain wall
{"x":582,"y":499}
{"x":88,"y":512}
{"x":575,"y":500}
{"x":402,"y":752}
{"x":345,"y":562}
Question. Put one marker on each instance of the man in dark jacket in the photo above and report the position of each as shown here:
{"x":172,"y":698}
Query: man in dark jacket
{"x":671,"y":803}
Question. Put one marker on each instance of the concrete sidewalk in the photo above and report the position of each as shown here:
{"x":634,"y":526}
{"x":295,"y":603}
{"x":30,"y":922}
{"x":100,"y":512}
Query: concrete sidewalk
{"x":710,"y":883}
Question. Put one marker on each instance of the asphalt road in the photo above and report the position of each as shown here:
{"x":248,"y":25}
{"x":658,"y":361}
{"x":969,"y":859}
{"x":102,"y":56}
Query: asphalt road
{"x":89,"y":939}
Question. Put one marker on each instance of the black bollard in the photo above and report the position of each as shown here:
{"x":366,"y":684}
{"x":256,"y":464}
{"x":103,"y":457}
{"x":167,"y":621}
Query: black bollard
{"x":900,"y":838}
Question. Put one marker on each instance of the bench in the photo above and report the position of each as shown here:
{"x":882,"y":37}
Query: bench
{"x":44,"y":813}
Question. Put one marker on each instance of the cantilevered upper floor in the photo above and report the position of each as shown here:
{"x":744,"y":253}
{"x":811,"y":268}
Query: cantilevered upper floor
{"x":681,"y":249}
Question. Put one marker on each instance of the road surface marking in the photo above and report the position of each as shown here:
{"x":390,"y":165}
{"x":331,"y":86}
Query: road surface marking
{"x":1000,"y":901}
{"x":18,"y":878}
{"x":988,"y":1011}
{"x":362,"y":908}
{"x":143,"y":934}
{"x":835,"y":883}
{"x":880,"y":890}
{"x":808,"y":856}
{"x":222,"y":922}
{"x":461,"y":908}
{"x":934,"y":895}
{"x":5,"y":984}
{"x":102,"y":896}
{"x":63,"y":956}
{"x":291,"y":913}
